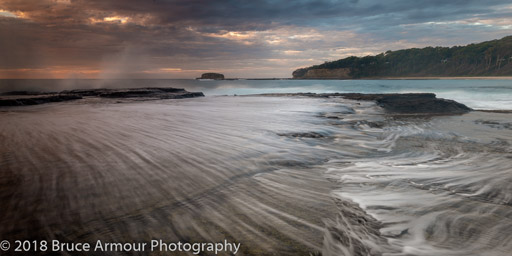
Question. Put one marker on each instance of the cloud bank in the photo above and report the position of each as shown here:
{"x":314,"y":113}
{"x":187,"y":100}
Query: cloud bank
{"x":184,"y":38}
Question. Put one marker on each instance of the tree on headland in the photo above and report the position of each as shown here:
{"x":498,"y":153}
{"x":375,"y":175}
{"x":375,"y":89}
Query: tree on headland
{"x":491,"y":58}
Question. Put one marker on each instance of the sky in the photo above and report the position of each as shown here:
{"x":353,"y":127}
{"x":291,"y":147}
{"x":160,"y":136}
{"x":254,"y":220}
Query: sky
{"x":241,"y":39}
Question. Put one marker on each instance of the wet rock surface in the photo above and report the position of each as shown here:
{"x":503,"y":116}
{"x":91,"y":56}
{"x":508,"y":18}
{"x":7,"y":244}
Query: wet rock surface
{"x":302,"y":135}
{"x":36,"y":100}
{"x":495,"y":124}
{"x":19,"y":93}
{"x":21,"y":98}
{"x":396,"y":103}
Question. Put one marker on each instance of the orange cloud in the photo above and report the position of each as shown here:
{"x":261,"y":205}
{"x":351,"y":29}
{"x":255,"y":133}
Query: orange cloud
{"x":49,"y":72}
{"x":13,"y":14}
{"x":111,"y":19}
{"x":162,"y":70}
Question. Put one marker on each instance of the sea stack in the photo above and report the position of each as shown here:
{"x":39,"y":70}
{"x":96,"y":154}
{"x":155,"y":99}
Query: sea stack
{"x":214,"y":76}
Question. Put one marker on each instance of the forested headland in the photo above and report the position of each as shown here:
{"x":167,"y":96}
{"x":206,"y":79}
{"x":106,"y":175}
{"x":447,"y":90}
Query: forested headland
{"x":490,"y":58}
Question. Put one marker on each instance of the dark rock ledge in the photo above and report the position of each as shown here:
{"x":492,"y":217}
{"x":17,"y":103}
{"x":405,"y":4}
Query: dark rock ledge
{"x":21,"y":98}
{"x":396,"y":103}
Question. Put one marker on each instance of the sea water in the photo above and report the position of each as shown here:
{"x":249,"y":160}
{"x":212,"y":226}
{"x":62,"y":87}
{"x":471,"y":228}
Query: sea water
{"x":477,"y":94}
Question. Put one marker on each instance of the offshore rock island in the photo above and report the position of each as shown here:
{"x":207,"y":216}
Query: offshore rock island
{"x":212,"y":76}
{"x":490,"y":58}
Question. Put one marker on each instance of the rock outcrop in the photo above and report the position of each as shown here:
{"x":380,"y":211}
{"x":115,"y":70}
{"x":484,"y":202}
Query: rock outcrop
{"x":36,"y":100}
{"x":27,"y":98}
{"x":214,"y":76}
{"x":150,"y":92}
{"x":396,"y":103}
{"x":31,"y":93}
{"x":413,"y":103}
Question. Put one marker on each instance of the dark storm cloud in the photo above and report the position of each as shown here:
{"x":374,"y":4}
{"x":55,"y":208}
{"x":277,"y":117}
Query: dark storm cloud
{"x":256,"y":15}
{"x":163,"y":38}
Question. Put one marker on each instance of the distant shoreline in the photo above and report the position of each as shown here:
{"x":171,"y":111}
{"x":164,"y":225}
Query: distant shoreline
{"x":415,"y":78}
{"x":394,"y":78}
{"x":446,"y":78}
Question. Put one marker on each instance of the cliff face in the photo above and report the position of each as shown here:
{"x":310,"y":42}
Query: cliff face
{"x":491,"y":58}
{"x":323,"y":73}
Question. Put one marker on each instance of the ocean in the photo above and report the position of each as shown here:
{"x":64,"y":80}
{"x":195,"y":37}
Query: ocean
{"x":279,"y":175}
{"x":477,"y":94}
